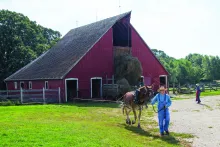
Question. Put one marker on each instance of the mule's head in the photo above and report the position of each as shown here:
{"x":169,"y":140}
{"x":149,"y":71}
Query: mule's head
{"x":146,"y":92}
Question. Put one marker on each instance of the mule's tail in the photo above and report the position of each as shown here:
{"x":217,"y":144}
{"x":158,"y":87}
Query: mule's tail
{"x":121,"y":102}
{"x":123,"y":109}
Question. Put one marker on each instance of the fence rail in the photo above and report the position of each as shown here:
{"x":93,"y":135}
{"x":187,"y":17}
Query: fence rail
{"x":190,"y":88}
{"x":32,"y":95}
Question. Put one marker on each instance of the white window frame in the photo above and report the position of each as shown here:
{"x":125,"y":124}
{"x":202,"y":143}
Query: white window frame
{"x":46,"y":83}
{"x":77,"y":86}
{"x":21,"y":83}
{"x":100,"y":85}
{"x":166,"y":80}
{"x":143,"y":78}
{"x":15,"y":85}
{"x":30,"y":85}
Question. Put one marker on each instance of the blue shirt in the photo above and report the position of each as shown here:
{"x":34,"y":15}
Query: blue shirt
{"x":198,"y":88}
{"x":160,"y":98}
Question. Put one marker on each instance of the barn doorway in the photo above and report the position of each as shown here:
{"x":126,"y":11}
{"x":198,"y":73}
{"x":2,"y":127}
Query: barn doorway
{"x":96,"y":87}
{"x":163,"y":80}
{"x":71,"y":89}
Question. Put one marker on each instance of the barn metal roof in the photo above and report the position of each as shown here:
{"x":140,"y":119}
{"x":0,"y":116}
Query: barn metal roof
{"x":61,"y":58}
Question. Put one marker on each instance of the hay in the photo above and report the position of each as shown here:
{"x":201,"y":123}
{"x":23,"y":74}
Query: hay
{"x":128,"y":67}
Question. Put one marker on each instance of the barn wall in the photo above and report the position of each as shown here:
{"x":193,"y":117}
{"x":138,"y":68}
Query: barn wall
{"x":98,"y":62}
{"x":151,"y":66}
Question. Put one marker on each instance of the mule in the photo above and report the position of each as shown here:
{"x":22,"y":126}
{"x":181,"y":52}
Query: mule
{"x":128,"y":103}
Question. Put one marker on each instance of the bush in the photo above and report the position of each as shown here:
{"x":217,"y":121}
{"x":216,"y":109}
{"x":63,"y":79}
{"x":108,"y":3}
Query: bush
{"x":9,"y":103}
{"x":123,"y":86}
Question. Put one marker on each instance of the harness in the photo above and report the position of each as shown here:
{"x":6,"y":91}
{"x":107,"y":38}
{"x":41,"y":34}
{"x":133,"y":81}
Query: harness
{"x":137,"y":99}
{"x":159,"y":102}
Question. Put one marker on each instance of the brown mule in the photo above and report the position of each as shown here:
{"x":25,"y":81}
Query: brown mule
{"x":145,"y":94}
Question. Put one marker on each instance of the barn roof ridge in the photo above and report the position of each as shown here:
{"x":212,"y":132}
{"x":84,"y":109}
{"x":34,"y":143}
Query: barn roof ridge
{"x":67,"y":52}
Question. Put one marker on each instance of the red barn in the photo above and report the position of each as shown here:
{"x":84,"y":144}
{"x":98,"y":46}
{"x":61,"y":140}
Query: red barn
{"x":81,"y":61}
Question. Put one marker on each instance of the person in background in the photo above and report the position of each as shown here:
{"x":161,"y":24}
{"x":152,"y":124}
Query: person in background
{"x":198,"y":91}
{"x":164,"y":102}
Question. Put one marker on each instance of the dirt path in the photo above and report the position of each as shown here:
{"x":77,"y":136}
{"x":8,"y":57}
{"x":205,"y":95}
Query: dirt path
{"x":201,"y":120}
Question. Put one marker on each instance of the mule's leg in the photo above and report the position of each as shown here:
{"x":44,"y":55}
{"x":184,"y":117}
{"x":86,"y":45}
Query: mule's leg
{"x":139,"y":117}
{"x":128,"y":121}
{"x":135,"y":116}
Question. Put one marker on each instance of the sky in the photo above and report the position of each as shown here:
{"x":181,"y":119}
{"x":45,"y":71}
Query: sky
{"x":177,"y":27}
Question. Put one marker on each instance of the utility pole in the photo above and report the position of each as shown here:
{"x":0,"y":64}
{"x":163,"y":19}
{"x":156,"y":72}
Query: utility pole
{"x":119,"y":7}
{"x":76,"y":23}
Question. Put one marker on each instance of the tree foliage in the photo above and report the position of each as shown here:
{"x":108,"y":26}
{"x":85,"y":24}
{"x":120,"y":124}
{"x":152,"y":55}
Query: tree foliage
{"x":21,"y":41}
{"x":191,"y":69}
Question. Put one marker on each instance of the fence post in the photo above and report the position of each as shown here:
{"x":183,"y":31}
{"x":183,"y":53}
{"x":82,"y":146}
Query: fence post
{"x":59,"y":95}
{"x":21,"y":94}
{"x":44,"y":95}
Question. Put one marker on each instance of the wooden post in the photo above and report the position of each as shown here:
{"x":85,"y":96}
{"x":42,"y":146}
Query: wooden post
{"x":112,"y":83}
{"x":21,"y":94}
{"x":59,"y":95}
{"x":106,"y":79}
{"x":210,"y":86}
{"x":43,"y":95}
{"x":179,"y":88}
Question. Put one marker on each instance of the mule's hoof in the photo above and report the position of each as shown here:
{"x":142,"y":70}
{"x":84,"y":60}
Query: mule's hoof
{"x":128,"y":122}
{"x":139,"y":126}
{"x":133,"y":122}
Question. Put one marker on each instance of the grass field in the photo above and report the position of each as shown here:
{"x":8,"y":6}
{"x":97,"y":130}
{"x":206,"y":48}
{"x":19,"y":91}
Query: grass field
{"x":80,"y":125}
{"x":192,"y":96}
{"x":210,"y":93}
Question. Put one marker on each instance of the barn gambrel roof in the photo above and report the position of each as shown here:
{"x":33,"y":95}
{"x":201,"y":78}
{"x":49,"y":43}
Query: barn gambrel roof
{"x":61,"y":58}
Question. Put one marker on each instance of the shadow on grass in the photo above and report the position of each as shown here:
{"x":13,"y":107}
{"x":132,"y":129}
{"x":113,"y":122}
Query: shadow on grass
{"x":94,"y":104}
{"x":140,"y":131}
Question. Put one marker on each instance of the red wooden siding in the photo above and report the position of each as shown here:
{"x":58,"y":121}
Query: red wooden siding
{"x":98,"y":62}
{"x":151,"y":66}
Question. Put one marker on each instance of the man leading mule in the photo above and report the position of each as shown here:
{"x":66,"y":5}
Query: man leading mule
{"x":164,"y":102}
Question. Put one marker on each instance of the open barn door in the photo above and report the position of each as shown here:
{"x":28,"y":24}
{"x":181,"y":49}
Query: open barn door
{"x":96,"y":87}
{"x":71,"y":86}
{"x":163,"y":81}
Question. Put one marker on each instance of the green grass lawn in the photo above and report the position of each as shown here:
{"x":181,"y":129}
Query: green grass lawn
{"x":191,"y":96}
{"x":80,"y":125}
{"x":210,"y":93}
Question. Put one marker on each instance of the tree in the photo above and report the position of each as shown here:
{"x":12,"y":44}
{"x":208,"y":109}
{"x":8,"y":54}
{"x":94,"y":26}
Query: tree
{"x":21,"y":41}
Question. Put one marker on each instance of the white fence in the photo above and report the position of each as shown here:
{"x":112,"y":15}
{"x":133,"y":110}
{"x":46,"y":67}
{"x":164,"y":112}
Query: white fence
{"x":32,"y":95}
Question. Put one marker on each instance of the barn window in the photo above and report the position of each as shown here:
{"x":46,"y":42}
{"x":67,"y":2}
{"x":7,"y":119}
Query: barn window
{"x":46,"y":84}
{"x":16,"y":85}
{"x":22,"y":85}
{"x":30,"y":85}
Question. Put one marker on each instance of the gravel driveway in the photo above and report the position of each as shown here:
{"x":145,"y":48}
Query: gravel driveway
{"x":201,"y":120}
